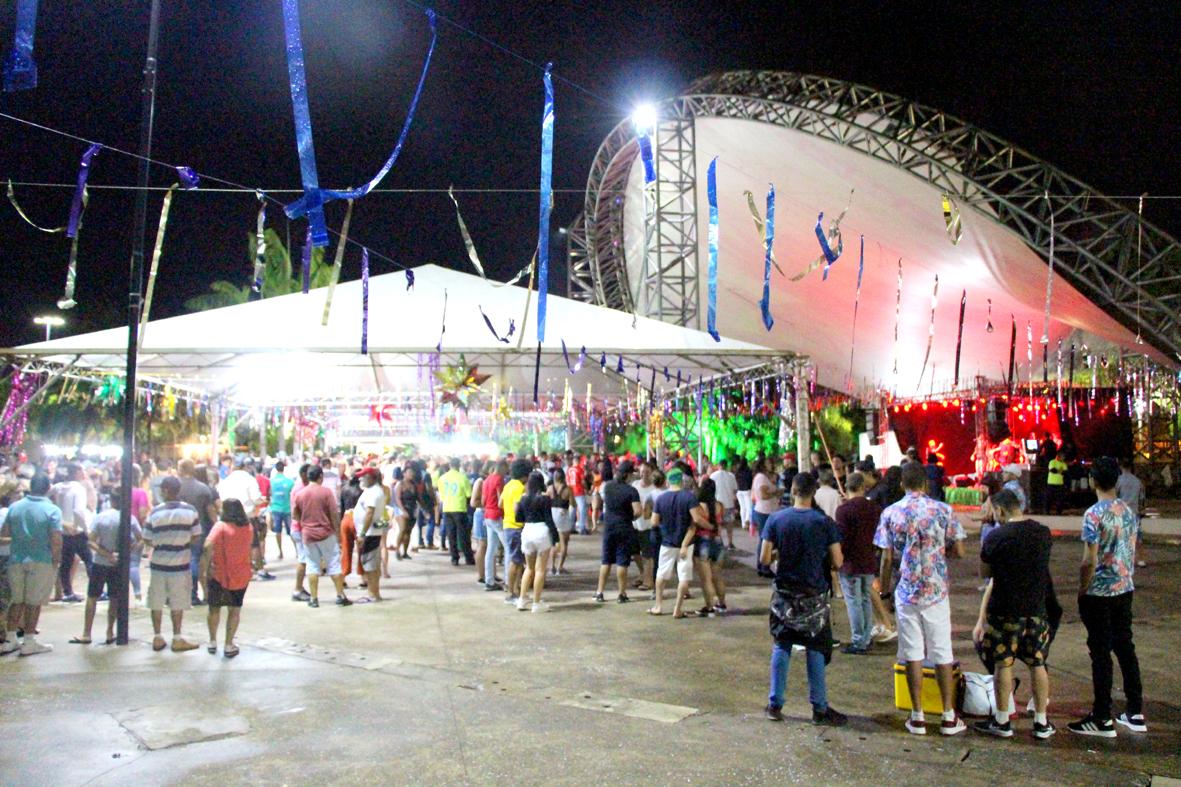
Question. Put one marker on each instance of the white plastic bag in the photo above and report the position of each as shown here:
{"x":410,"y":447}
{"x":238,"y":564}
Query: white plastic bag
{"x":980,"y":696}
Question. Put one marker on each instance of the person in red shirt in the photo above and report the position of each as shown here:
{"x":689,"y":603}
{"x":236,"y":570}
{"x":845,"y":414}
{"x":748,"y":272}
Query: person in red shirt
{"x":490,"y":490}
{"x":576,"y":480}
{"x":227,"y":565}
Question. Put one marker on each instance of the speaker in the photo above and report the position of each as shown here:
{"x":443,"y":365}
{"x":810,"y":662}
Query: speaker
{"x":998,"y":419}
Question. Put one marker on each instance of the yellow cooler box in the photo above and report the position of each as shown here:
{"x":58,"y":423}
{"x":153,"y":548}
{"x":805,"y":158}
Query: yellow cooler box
{"x":932,"y":701}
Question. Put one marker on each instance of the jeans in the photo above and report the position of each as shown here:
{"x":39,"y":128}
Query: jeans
{"x":857,"y":588}
{"x":73,"y":545}
{"x":580,"y":502}
{"x":781,"y":660}
{"x":495,"y":532}
{"x":137,"y":556}
{"x":459,"y":535}
{"x":760,"y":521}
{"x":1108,"y":620}
{"x":479,"y":533}
{"x":426,"y":521}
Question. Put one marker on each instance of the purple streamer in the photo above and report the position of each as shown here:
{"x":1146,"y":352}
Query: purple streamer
{"x":409,"y":279}
{"x":364,"y":300}
{"x":581,"y":358}
{"x":83,"y":176}
{"x":189,"y":179}
{"x":307,"y":262}
{"x":443,"y":327}
{"x":20,"y":70}
{"x":619,"y":365}
{"x":512,"y":327}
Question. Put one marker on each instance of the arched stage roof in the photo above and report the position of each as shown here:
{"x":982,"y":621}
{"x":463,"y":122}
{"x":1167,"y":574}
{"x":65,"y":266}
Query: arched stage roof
{"x":817,"y":139}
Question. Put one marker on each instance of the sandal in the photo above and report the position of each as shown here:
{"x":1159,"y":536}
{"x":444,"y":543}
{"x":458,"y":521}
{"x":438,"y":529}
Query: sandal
{"x":212,"y":647}
{"x":231,"y":651}
{"x":158,"y":643}
{"x":655,"y":612}
{"x":79,"y":640}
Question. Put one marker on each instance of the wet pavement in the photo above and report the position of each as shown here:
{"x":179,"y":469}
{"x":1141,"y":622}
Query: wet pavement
{"x":445,"y":684}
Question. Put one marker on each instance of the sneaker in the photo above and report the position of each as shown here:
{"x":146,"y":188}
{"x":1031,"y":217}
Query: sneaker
{"x":773,"y":713}
{"x":32,"y":647}
{"x":829,"y":717}
{"x":510,"y":599}
{"x":720,"y":609}
{"x":522,"y":604}
{"x":343,"y":601}
{"x":302,"y":595}
{"x":1043,"y":731}
{"x":623,"y":599}
{"x":1135,"y":722}
{"x":9,"y":646}
{"x":991,"y":726}
{"x":314,"y":603}
{"x":599,"y":598}
{"x":73,"y":598}
{"x":853,"y":650}
{"x":196,"y":602}
{"x":1031,"y":707}
{"x":1089,"y":725}
{"x":540,"y":606}
{"x":915,"y":727}
{"x":953,"y":727}
{"x":265,"y":575}
{"x":492,"y":588}
{"x":888,"y":635}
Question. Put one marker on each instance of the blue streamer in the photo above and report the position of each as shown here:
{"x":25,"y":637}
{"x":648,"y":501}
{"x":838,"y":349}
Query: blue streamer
{"x":768,"y":242}
{"x":189,"y":179}
{"x":313,"y":200}
{"x":646,"y":157}
{"x":20,"y":70}
{"x":305,"y":204}
{"x":364,"y":300}
{"x":856,"y":307}
{"x":619,"y":365}
{"x":712,"y":191}
{"x":547,"y":198}
{"x":307,"y":262}
{"x":512,"y":327}
{"x":578,"y":364}
{"x":409,"y":279}
{"x":77,"y":206}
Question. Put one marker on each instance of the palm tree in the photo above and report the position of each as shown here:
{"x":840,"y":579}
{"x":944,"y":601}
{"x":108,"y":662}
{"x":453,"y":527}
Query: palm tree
{"x":278,"y":277}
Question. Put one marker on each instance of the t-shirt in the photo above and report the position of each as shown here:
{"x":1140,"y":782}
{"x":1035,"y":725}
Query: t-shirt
{"x":242,"y":486}
{"x":281,"y":487}
{"x":828,"y":499}
{"x":1019,"y":555}
{"x":264,"y":486}
{"x":372,"y":498}
{"x":331,"y":481}
{"x":200,"y":496}
{"x":490,"y":496}
{"x":139,"y":500}
{"x":1056,"y":476}
{"x":726,"y":488}
{"x":1114,"y":527}
{"x":856,"y":520}
{"x":676,"y":516}
{"x":454,"y":490}
{"x":802,"y":537}
{"x":643,"y":523}
{"x":764,"y":506}
{"x":74,"y":504}
{"x":576,"y":480}
{"x":535,"y":509}
{"x":1129,"y":489}
{"x":171,"y":528}
{"x":32,"y":520}
{"x":617,"y":504}
{"x":513,"y":492}
{"x":105,"y":530}
{"x":229,"y":554}
{"x":317,"y":511}
{"x":919,"y":530}
{"x":743,"y":478}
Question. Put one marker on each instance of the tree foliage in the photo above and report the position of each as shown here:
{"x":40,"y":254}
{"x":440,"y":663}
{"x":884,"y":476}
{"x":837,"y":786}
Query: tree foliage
{"x":280,"y":277}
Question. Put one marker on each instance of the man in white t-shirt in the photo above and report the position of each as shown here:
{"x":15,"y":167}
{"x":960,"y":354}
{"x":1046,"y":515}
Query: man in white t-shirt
{"x":646,"y":553}
{"x":726,"y":488}
{"x":827,"y":496}
{"x":369,"y":517}
{"x":72,"y":499}
{"x":765,"y":496}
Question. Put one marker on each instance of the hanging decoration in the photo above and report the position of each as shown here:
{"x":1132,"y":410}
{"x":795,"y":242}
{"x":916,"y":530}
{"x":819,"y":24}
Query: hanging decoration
{"x":77,"y":208}
{"x":443,"y":326}
{"x":1049,"y":275}
{"x":20,"y":70}
{"x":20,"y":212}
{"x":644,"y":140}
{"x":897,"y":315}
{"x":959,"y":337}
{"x":547,"y":200}
{"x":760,"y":226}
{"x":712,"y":194}
{"x":1012,"y":381}
{"x":260,"y":248}
{"x":831,"y":244}
{"x":16,"y":410}
{"x":856,"y":308}
{"x":1059,"y":374}
{"x":110,"y":392}
{"x":467,"y":238}
{"x":306,"y":262}
{"x":409,"y":280}
{"x":188,"y":180}
{"x":364,"y":292}
{"x":581,"y":359}
{"x":512,"y":327}
{"x":951,"y":219}
{"x":930,"y":332}
{"x":768,"y":255}
{"x":988,"y":328}
{"x":336,"y":264}
{"x":1029,"y":353}
{"x":312,"y":202}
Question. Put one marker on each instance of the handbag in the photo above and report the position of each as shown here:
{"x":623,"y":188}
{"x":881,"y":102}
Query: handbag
{"x":802,"y":613}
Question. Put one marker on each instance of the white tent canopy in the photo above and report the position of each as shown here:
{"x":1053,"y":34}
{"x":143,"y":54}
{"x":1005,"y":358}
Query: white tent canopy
{"x":275,"y":351}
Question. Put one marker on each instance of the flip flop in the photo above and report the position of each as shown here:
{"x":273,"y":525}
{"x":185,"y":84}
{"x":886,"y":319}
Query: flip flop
{"x":654,"y":613}
{"x":79,"y":641}
{"x":212,"y":648}
{"x":231,"y":651}
{"x":109,"y":641}
{"x":366,"y":600}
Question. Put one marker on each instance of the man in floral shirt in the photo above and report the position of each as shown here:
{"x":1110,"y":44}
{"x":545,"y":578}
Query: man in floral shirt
{"x":922,"y":532}
{"x":1110,"y":530}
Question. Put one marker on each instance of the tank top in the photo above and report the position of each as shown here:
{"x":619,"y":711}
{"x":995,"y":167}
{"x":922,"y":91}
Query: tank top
{"x":409,"y":498}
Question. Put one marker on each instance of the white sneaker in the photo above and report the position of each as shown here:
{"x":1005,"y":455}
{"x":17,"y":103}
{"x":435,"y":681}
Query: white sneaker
{"x":32,"y":647}
{"x":522,"y":604}
{"x":9,"y":646}
{"x":889,"y":635}
{"x":876,"y":631}
{"x":540,"y":606}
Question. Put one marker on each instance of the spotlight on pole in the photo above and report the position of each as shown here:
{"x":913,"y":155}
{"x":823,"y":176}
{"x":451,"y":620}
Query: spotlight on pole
{"x":50,"y":321}
{"x":644,"y":118}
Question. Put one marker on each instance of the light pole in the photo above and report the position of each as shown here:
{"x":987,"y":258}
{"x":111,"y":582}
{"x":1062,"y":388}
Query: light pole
{"x":50,"y":321}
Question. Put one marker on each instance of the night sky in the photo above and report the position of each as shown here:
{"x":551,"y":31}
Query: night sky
{"x":1089,"y":87}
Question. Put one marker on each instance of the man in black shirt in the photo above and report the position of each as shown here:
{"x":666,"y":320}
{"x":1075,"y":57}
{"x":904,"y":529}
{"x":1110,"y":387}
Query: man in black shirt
{"x":621,"y":506}
{"x":1013,"y":622}
{"x":745,"y":479}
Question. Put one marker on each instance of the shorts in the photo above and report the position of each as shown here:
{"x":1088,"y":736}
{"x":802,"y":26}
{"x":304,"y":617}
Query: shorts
{"x":671,"y":561}
{"x":371,"y":553}
{"x":562,"y":520}
{"x":479,"y":532}
{"x":5,"y":589}
{"x":324,"y":551}
{"x":280,"y":521}
{"x":535,"y":538}
{"x":174,"y":588}
{"x":617,"y":545}
{"x":1026,"y":638}
{"x":711,"y":549}
{"x":104,"y":576}
{"x":729,"y":516}
{"x":32,"y":583}
{"x":512,"y":545}
{"x":301,"y":552}
{"x":924,"y":633}
{"x":218,"y":596}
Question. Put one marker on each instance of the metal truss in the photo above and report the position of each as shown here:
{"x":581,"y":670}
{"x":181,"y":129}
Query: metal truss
{"x":1128,"y":267}
{"x":670,"y":284}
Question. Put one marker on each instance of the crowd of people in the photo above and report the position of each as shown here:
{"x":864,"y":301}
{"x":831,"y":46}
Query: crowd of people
{"x":879,"y":540}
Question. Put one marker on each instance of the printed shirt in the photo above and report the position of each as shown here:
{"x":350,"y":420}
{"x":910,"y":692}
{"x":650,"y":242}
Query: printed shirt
{"x":576,"y":480}
{"x":372,"y":497}
{"x":513,"y":492}
{"x":171,"y":528}
{"x":1113,"y":526}
{"x":454,"y":489}
{"x":919,"y":530}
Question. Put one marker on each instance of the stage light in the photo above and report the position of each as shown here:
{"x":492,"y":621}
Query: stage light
{"x":924,"y":407}
{"x":50,"y":321}
{"x":644,"y":118}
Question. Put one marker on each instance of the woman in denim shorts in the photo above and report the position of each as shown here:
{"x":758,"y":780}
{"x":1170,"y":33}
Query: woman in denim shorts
{"x":710,"y":549}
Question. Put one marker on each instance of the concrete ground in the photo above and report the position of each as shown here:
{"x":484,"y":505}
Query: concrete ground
{"x":445,"y":684}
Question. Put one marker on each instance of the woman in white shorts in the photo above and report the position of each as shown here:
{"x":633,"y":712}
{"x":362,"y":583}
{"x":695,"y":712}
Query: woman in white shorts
{"x":535,"y":511}
{"x":563,"y":499}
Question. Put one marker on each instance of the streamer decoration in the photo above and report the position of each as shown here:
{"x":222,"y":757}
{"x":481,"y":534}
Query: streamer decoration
{"x":20,"y":212}
{"x":1049,"y":275}
{"x":959,"y":338}
{"x":988,"y":328}
{"x":364,"y":294}
{"x":856,"y":308}
{"x":712,"y":194}
{"x":20,"y":70}
{"x":443,"y":327}
{"x":951,"y":219}
{"x":74,"y":226}
{"x":188,"y":183}
{"x":760,"y":226}
{"x":409,"y":280}
{"x":512,"y":327}
{"x":1012,"y":354}
{"x":260,"y":248}
{"x":578,"y":364}
{"x":1029,"y":353}
{"x":768,"y":256}
{"x":467,"y":238}
{"x":336,"y":264}
{"x":930,"y":331}
{"x":897,"y":315}
{"x":312,"y":202}
{"x":547,"y":200}
{"x":306,"y":261}
{"x":831,"y":245}
{"x":646,"y":157}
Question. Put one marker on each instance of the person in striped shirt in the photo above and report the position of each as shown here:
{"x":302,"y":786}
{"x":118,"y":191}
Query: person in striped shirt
{"x":173,"y":529}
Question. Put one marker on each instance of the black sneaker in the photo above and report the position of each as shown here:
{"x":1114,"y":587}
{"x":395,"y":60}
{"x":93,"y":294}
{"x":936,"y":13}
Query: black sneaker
{"x":1089,"y":725}
{"x":623,"y":599}
{"x":599,"y":598}
{"x":773,"y":713}
{"x":853,"y":650}
{"x":302,"y":595}
{"x":829,"y":717}
{"x":73,"y":598}
{"x":314,"y":603}
{"x":991,"y":726}
{"x":1133,"y":721}
{"x":1043,"y":731}
{"x":492,"y":588}
{"x":343,"y":601}
{"x":196,"y":602}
